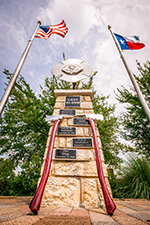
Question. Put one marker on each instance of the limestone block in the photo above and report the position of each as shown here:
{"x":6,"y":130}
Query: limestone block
{"x":102,"y":155}
{"x":68,"y":169}
{"x":87,"y":99}
{"x":99,"y":143}
{"x":79,"y":111}
{"x":100,"y":195}
{"x":87,"y":169}
{"x":63,"y":122}
{"x":89,"y":193}
{"x":53,"y":157}
{"x":50,"y":130}
{"x":82,"y":98}
{"x":70,"y":121}
{"x":90,"y":169}
{"x":56,"y":112}
{"x":61,"y":142}
{"x":45,"y":153}
{"x":56,"y":143}
{"x":85,"y":155}
{"x":69,"y":143}
{"x":52,"y":170}
{"x":97,"y":132}
{"x":104,"y":169}
{"x":61,"y":191}
{"x":88,"y":111}
{"x":87,"y":132}
{"x":86,"y":105}
{"x":61,"y":98}
{"x":80,"y":131}
{"x":59,"y":105}
{"x":42,"y":168}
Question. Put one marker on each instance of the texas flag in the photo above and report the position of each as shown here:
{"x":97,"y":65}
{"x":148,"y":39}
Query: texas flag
{"x":129,"y":43}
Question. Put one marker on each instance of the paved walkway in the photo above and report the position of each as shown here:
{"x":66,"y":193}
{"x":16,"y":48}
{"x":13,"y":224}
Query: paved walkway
{"x":15,"y":211}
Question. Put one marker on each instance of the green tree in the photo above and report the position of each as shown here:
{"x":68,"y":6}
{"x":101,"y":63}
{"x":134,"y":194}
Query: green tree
{"x":24,"y":130}
{"x":109,"y":131}
{"x":7,"y":176}
{"x":134,"y":120}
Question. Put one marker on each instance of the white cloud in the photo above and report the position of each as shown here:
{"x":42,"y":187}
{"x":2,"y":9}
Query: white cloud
{"x":79,"y":16}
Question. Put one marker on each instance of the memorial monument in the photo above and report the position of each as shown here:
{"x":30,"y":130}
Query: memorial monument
{"x":73,"y":172}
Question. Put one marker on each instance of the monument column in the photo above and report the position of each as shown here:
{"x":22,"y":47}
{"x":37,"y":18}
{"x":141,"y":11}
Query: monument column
{"x":73,"y":179}
{"x":73,"y":172}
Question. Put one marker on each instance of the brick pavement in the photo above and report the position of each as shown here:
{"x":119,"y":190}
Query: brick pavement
{"x":15,"y":211}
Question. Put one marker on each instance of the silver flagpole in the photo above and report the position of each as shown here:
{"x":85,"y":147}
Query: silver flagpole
{"x":139,"y":93}
{"x":17,"y":70}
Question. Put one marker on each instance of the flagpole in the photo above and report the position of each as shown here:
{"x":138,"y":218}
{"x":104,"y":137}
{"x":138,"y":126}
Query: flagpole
{"x":134,"y":82}
{"x":17,"y":70}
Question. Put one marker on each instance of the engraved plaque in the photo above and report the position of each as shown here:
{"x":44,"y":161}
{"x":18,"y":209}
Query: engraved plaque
{"x":66,"y":131}
{"x":82,"y":142}
{"x":70,"y":112}
{"x":65,"y":154}
{"x":72,"y":101}
{"x":81,"y":121}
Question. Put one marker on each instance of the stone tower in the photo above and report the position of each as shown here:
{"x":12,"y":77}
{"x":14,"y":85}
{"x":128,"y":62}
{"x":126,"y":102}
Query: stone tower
{"x":73,"y":179}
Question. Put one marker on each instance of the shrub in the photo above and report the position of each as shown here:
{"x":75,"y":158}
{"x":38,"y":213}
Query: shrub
{"x":134,"y":181}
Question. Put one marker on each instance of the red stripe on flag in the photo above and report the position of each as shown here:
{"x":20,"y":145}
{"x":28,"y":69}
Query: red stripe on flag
{"x":135,"y":45}
{"x":59,"y":29}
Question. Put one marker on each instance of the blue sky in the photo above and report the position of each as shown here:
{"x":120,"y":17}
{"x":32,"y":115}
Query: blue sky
{"x":88,"y":39}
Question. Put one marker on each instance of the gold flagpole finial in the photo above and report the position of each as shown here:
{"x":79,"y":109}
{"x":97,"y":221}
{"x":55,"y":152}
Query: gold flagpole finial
{"x":39,"y":22}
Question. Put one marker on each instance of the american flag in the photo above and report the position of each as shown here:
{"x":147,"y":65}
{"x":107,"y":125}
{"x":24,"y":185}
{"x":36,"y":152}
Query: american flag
{"x":46,"y":31}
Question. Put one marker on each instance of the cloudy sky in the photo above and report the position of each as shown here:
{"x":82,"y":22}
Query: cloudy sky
{"x":88,"y":38}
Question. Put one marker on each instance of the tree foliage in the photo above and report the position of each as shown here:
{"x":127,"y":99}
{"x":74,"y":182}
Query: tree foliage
{"x":134,"y":120}
{"x":6,"y":176}
{"x":24,"y":131}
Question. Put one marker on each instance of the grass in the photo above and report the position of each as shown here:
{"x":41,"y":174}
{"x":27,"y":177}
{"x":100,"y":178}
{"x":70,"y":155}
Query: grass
{"x":134,"y":181}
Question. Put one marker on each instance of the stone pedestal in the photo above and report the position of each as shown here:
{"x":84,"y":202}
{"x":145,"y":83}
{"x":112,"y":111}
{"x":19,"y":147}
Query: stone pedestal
{"x":74,"y":181}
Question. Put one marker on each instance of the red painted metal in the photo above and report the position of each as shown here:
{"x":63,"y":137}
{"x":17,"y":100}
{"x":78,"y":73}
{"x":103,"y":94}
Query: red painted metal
{"x":36,"y":201}
{"x":110,"y":205}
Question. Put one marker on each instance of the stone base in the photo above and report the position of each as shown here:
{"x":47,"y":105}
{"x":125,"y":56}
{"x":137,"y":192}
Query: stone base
{"x":74,"y":192}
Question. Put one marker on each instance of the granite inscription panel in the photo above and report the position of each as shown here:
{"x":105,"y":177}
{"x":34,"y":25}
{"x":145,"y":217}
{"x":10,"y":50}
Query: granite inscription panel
{"x":65,"y":154}
{"x":82,"y":142}
{"x":80,"y":121}
{"x":66,"y":130}
{"x":70,"y":112}
{"x":72,"y":101}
